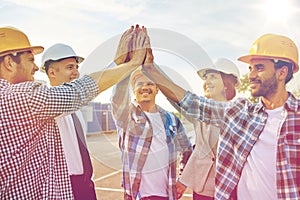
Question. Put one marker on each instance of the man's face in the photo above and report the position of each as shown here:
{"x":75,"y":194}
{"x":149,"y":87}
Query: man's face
{"x":144,"y":90}
{"x":262,"y":78}
{"x":63,"y":71}
{"x":24,"y":71}
{"x":213,"y":86}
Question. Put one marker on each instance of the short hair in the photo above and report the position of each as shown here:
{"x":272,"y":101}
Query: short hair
{"x":50,"y":62}
{"x":14,"y":56}
{"x":280,"y":63}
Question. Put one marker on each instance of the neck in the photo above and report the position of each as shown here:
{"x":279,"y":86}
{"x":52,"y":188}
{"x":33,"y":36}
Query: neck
{"x":5,"y":75}
{"x":276,"y":100}
{"x":219,"y":98}
{"x":148,"y":107}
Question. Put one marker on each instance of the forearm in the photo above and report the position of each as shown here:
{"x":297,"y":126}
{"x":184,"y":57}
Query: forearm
{"x":166,"y":86}
{"x":120,"y":100}
{"x":108,"y":77}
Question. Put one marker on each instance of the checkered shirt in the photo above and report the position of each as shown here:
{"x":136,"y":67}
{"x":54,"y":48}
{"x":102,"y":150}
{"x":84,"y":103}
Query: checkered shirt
{"x":32,"y":162}
{"x":241,"y":124}
{"x":135,"y":135}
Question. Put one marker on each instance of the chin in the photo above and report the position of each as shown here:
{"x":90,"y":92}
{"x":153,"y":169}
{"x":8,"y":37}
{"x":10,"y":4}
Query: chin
{"x":255,"y":94}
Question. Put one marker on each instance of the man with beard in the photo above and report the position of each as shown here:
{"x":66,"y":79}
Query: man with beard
{"x":259,"y":144}
{"x":149,"y":138}
{"x":32,"y":161}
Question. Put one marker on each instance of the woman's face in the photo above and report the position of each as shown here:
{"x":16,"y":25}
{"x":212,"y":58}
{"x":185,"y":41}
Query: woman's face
{"x":214,"y":86}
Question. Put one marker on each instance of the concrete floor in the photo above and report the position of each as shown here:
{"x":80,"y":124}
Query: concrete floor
{"x":107,"y":166}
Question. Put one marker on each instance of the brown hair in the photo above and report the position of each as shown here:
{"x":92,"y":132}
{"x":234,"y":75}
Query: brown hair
{"x":229,"y":82}
{"x":14,"y":56}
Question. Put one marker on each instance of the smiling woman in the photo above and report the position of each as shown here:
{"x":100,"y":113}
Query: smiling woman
{"x":279,"y":10}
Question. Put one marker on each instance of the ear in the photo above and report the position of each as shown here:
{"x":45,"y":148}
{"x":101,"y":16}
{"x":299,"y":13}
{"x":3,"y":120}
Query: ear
{"x":9,"y":63}
{"x":51,"y":72}
{"x":283,"y":72}
{"x":157,"y":89}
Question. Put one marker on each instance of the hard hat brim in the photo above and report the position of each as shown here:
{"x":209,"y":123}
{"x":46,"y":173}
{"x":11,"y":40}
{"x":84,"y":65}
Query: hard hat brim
{"x":34,"y":49}
{"x":78,"y":58}
{"x":201,"y":73}
{"x":248,"y":58}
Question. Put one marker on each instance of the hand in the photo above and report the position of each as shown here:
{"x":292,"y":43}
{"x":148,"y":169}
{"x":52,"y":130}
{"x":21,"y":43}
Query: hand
{"x":140,"y":42}
{"x":124,"y":46}
{"x":180,"y":188}
{"x":149,"y":57}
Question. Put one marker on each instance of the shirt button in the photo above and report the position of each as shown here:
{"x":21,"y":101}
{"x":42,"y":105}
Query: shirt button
{"x":213,"y":159}
{"x":253,"y":138}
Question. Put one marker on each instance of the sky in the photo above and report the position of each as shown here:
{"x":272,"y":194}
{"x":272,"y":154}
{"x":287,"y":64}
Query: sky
{"x":221,"y":28}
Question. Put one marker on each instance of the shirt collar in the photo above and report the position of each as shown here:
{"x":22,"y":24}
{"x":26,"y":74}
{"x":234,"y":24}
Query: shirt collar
{"x":3,"y":82}
{"x":290,"y":104}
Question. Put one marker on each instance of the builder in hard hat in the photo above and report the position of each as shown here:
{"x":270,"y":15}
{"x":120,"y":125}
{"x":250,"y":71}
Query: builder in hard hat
{"x":258,"y":154}
{"x":60,"y":63}
{"x":150,"y":138}
{"x":32,"y":161}
{"x":220,"y":83}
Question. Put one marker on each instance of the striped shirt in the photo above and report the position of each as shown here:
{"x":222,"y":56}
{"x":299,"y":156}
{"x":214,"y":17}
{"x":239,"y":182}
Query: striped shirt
{"x":32,"y":162}
{"x":241,"y":124}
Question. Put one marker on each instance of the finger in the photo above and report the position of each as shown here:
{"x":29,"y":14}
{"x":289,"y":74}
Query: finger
{"x":147,"y":42}
{"x":133,"y":42}
{"x":144,"y":29}
{"x":137,"y":42}
{"x":142,"y":39}
{"x":137,"y":26}
{"x":127,"y":32}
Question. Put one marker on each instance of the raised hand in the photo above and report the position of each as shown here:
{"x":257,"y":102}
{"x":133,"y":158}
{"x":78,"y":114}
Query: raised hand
{"x":124,"y":47}
{"x":139,"y":43}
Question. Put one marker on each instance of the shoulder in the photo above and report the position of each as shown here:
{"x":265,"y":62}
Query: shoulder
{"x":293,"y":103}
{"x":25,"y":86}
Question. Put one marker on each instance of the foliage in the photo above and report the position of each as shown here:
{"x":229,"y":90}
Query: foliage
{"x":297,"y":93}
{"x":245,"y":89}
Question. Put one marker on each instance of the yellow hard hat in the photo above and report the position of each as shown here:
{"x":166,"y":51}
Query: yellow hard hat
{"x":13,"y":40}
{"x":274,"y":47}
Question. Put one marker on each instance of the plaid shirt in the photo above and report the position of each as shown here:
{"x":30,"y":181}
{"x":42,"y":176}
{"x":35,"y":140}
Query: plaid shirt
{"x":241,"y":124}
{"x":135,"y":135}
{"x":32,"y":162}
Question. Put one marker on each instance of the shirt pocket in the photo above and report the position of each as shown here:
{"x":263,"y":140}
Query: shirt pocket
{"x":292,"y":141}
{"x":136,"y":137}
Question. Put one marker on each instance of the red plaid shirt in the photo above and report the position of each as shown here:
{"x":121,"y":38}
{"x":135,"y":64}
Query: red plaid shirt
{"x":32,"y":162}
{"x":241,"y":124}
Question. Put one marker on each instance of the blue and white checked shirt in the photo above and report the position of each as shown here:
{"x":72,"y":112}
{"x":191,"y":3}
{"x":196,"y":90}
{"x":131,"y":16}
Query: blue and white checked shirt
{"x":241,"y":123}
{"x":32,"y":161}
{"x":135,"y":135}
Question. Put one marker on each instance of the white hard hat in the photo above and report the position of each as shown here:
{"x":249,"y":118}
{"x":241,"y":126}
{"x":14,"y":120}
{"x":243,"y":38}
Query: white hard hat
{"x":57,"y":52}
{"x":222,"y":65}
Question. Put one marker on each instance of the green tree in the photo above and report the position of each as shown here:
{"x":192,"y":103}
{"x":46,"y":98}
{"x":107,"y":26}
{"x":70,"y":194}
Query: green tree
{"x":245,"y":89}
{"x":296,"y":92}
